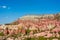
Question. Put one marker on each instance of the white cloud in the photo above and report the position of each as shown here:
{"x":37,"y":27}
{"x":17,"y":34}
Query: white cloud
{"x":5,"y":7}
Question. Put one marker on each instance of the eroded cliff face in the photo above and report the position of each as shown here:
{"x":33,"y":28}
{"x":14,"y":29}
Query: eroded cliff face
{"x":34,"y":18}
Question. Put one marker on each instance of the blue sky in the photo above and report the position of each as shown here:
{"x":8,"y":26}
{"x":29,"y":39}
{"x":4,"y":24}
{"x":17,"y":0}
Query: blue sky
{"x":11,"y":10}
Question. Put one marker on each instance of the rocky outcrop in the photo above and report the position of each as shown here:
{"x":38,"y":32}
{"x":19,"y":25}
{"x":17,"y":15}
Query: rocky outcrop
{"x":36,"y":18}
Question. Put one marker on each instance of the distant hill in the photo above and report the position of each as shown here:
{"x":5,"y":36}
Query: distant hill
{"x":36,"y":17}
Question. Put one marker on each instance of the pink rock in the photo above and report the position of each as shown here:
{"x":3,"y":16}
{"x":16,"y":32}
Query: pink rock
{"x":48,"y":35}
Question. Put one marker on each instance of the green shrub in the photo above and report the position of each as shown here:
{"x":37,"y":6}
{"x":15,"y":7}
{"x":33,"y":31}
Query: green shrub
{"x":1,"y":34}
{"x":41,"y":38}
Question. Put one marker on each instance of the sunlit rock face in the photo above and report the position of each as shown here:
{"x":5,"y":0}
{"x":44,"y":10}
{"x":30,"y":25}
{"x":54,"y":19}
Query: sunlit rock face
{"x":32,"y":17}
{"x":40,"y":19}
